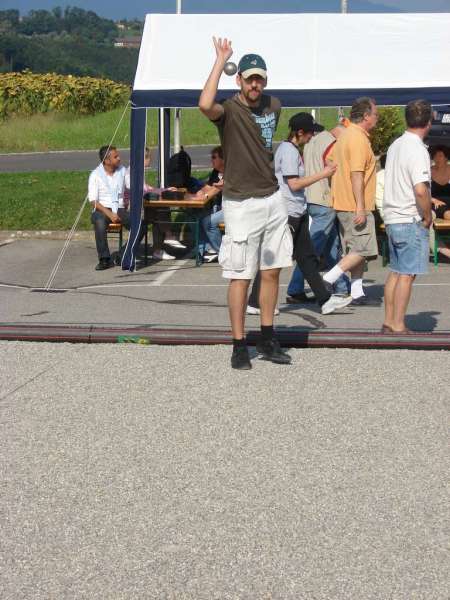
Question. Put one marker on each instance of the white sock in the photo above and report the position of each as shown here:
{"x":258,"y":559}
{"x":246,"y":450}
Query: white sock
{"x":357,"y":288}
{"x":333,"y":274}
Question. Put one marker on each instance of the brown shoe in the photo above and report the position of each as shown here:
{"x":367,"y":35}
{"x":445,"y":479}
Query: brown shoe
{"x":405,"y":331}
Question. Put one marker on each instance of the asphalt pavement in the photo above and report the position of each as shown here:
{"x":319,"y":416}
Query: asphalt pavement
{"x":82,"y":160}
{"x":174,"y":293}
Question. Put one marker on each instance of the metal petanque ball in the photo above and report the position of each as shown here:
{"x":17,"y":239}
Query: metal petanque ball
{"x":230,"y":68}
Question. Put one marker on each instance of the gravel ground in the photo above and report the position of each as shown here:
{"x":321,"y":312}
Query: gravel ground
{"x":157,"y":472}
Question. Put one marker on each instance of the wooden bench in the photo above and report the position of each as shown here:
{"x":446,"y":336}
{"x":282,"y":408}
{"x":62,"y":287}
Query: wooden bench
{"x":116,"y":229}
{"x":441,"y":233}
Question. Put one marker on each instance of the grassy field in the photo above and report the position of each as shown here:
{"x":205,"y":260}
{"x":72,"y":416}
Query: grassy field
{"x":52,"y":131}
{"x":47,"y":200}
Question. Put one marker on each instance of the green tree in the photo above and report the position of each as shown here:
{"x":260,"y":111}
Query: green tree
{"x":390,"y":126}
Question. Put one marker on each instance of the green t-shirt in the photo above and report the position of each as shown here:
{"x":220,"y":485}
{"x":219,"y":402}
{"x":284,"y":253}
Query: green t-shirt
{"x":246,"y":135}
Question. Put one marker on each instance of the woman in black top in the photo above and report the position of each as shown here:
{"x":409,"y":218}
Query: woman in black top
{"x":440,"y":189}
{"x":440,"y":182}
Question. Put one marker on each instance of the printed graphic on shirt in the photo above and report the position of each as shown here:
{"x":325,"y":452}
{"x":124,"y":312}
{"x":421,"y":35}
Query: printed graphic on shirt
{"x":267,"y":124}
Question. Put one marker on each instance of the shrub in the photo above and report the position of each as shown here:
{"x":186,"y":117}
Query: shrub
{"x":390,"y":126}
{"x":27,"y":93}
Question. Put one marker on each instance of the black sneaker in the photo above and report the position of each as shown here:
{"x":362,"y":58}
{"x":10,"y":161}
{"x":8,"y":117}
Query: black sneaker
{"x":240,"y":359}
{"x":301,"y":298}
{"x":271,"y":350}
{"x":117,"y":258}
{"x":105,"y":263}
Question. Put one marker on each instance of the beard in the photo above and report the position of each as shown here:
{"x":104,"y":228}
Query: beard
{"x":252,"y":96}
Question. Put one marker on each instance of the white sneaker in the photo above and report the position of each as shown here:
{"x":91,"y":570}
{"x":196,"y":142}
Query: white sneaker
{"x":252,"y":310}
{"x":175,"y":244}
{"x":162,"y":255}
{"x":209,"y":258}
{"x":335,"y":302}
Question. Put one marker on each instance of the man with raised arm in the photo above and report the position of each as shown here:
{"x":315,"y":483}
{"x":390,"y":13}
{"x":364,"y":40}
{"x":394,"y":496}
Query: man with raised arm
{"x":255,"y":213}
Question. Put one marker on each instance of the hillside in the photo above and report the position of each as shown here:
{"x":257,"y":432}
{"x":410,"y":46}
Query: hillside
{"x":73,"y":41}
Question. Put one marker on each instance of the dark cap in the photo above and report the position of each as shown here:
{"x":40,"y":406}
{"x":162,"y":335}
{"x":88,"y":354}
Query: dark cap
{"x":252,"y":64}
{"x":305,"y":122}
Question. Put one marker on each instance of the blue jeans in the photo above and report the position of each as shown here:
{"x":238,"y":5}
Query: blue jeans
{"x":408,"y":248}
{"x":325,"y":238}
{"x":210,"y":234}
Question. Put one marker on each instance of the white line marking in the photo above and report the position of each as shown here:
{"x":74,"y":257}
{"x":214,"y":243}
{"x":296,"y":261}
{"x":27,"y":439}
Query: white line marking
{"x":88,"y":150}
{"x":167,"y":274}
{"x":151,"y":284}
{"x":5,"y":242}
{"x":18,"y":287}
{"x":158,"y":283}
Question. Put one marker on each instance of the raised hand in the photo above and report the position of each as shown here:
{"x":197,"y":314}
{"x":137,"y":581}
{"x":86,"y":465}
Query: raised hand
{"x":223,"y":49}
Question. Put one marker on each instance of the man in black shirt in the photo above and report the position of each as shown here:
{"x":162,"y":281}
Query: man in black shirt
{"x":255,"y":214}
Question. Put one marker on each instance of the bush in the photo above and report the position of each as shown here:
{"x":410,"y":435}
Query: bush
{"x":390,"y":126}
{"x":28,"y":93}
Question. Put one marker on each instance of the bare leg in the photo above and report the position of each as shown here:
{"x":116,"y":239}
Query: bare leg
{"x":237,"y":302}
{"x":357,"y":271}
{"x":389,"y":295}
{"x":268,"y":294}
{"x":353,"y":263}
{"x":402,"y":294}
{"x":350,"y":262}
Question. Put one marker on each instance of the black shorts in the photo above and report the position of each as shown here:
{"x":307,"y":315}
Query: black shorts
{"x":440,"y":210}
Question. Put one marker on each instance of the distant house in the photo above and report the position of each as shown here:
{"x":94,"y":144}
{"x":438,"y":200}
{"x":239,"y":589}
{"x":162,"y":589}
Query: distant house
{"x":128,"y":42}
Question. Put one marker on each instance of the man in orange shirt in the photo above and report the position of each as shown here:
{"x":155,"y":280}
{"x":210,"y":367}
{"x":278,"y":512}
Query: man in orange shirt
{"x":353,"y":196}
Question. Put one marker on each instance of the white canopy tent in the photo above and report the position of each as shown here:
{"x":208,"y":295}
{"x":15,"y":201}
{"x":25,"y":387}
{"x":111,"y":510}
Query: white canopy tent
{"x":312,"y":60}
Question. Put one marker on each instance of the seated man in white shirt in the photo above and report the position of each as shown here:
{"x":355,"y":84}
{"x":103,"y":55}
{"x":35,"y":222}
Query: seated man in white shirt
{"x":105,"y":192}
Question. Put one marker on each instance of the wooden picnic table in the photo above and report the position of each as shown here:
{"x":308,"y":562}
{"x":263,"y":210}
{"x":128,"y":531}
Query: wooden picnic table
{"x":189,"y":203}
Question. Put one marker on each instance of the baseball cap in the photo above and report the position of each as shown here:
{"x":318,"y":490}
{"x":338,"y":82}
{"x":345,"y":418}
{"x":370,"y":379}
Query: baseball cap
{"x":304,"y":121}
{"x":252,"y":64}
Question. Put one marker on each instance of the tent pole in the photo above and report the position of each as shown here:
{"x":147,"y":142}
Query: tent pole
{"x":177,"y":111}
{"x":138,"y":128}
{"x":164,"y":144}
{"x":176,"y":130}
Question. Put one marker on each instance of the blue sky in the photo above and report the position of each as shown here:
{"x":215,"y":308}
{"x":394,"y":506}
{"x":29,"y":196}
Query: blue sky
{"x":117,"y":9}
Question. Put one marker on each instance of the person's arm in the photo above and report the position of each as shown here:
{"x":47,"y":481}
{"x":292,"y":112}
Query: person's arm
{"x":106,"y":211}
{"x":93,"y":193}
{"x":208,"y":192}
{"x":379,"y":193}
{"x":423,"y":199}
{"x":298,"y":183}
{"x":207,"y":102}
{"x":357,"y":179}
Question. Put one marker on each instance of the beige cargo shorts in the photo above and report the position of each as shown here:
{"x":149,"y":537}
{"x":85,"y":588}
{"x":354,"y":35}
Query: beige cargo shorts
{"x":257,"y":236}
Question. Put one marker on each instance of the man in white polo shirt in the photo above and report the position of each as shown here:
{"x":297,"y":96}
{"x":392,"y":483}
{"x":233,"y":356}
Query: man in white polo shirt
{"x":105,"y":192}
{"x":407,"y":213}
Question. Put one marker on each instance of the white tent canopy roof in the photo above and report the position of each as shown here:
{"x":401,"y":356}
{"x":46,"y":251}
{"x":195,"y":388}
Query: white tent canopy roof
{"x":312,"y":59}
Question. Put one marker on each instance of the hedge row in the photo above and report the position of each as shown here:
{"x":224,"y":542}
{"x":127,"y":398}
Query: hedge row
{"x":27,"y":93}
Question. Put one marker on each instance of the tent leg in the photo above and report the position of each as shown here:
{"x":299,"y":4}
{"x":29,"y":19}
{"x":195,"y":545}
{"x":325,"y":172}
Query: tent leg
{"x":137,"y":150}
{"x":164,"y":145}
